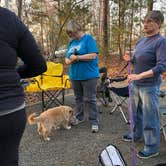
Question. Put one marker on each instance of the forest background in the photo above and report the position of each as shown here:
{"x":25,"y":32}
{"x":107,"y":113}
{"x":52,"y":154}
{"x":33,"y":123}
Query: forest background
{"x":115,"y":24}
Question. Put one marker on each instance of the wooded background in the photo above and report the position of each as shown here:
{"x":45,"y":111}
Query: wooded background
{"x":115,"y":24}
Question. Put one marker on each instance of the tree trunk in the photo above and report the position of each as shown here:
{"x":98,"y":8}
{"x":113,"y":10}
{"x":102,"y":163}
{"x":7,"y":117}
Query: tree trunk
{"x":149,"y":5}
{"x":41,"y":28}
{"x":140,"y":15}
{"x":19,"y":2}
{"x":105,"y":27}
{"x":131,"y":25}
{"x":121,"y":26}
{"x":101,"y":23}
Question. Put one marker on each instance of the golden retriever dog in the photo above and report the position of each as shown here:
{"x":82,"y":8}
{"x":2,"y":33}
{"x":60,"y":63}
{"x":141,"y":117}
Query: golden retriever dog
{"x":52,"y":118}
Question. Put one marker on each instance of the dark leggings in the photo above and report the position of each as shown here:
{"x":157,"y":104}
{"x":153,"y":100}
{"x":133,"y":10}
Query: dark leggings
{"x":11,"y":129}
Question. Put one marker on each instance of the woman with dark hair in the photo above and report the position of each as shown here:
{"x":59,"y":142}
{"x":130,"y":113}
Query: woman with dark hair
{"x":149,"y":62}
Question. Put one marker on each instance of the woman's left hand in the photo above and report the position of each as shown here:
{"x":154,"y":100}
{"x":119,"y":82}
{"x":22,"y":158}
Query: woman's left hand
{"x":67,"y":61}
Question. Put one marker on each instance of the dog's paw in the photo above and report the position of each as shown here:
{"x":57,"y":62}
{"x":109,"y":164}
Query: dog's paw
{"x":68,"y":127}
{"x":47,"y":139}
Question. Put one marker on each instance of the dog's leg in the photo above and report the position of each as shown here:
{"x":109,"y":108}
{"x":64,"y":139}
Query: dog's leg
{"x":39,"y":128}
{"x":45,"y":133}
{"x":66,"y":125}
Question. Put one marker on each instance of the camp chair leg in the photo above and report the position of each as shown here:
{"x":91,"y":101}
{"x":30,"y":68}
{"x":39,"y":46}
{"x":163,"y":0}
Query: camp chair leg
{"x":52,"y":98}
{"x":163,"y":120}
{"x":63,"y":96}
{"x":114,"y":109}
{"x":43,"y":105}
{"x":118,"y":105}
{"x":164,"y":132}
{"x":120,"y":108}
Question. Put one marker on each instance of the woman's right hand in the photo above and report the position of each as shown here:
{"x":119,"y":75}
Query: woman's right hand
{"x":67,"y":61}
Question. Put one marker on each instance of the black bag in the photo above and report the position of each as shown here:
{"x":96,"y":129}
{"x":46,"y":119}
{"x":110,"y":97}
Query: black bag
{"x":111,"y":156}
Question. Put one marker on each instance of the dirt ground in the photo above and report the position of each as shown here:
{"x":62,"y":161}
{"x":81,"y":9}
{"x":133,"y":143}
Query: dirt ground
{"x":78,"y":146}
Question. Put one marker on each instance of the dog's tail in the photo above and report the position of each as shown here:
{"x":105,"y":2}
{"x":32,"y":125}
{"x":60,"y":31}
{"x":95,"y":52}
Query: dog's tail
{"x":32,"y":119}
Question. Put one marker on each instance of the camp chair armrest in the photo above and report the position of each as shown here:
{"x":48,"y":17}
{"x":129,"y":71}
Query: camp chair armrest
{"x":34,"y":80}
{"x":118,"y":79}
{"x":53,"y":75}
{"x":66,"y":81}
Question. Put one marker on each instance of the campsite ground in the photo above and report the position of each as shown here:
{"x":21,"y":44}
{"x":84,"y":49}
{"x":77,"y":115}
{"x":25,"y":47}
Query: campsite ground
{"x":78,"y":146}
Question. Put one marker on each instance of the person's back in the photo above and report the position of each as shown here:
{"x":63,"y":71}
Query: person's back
{"x":12,"y":42}
{"x":15,"y":41}
{"x":10,"y":91}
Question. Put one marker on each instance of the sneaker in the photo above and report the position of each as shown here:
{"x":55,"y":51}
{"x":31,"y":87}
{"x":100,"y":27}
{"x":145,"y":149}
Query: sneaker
{"x":77,"y":121}
{"x":144,"y":155}
{"x":128,"y":138}
{"x":95,"y":128}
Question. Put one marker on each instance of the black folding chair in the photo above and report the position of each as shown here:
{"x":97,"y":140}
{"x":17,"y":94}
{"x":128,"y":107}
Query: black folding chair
{"x":120,"y":96}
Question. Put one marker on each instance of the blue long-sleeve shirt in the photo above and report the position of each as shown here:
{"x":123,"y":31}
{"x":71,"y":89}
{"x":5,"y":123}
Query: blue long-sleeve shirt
{"x":150,"y":53}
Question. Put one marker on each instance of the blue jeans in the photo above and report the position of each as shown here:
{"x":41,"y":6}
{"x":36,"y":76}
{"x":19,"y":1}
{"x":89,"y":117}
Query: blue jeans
{"x":85,"y":95}
{"x":145,"y":105}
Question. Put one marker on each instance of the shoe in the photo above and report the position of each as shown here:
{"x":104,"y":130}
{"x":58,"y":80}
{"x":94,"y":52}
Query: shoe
{"x":77,"y":121}
{"x":95,"y":128}
{"x":128,"y":138}
{"x":144,"y":155}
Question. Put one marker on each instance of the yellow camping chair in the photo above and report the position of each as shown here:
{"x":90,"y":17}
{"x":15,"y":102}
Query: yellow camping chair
{"x":51,"y":84}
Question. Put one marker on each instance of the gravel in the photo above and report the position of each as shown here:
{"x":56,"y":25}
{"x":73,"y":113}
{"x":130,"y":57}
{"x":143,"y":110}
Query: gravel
{"x":78,"y":146}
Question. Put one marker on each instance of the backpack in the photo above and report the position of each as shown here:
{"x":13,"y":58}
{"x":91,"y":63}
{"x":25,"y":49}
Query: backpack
{"x":111,"y":156}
